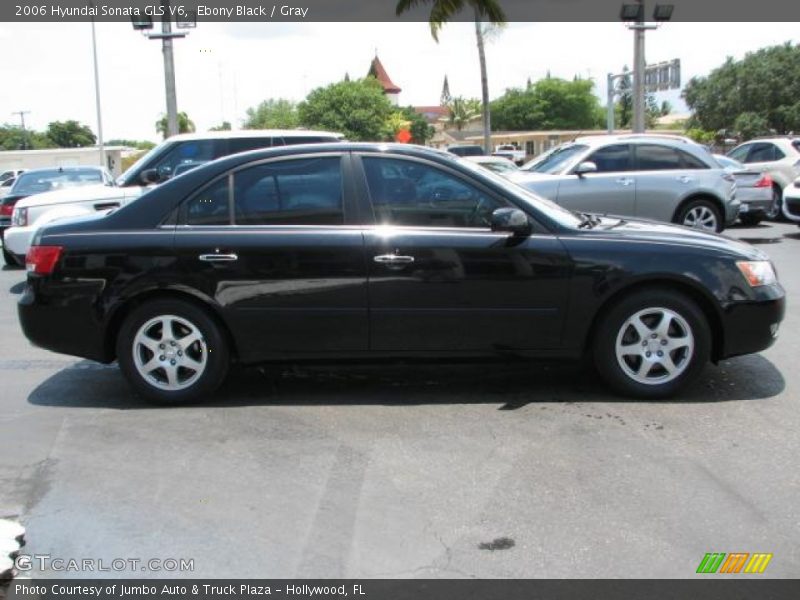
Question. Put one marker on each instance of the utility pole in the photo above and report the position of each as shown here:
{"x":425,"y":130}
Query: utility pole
{"x":22,"y":114}
{"x":638,"y":71}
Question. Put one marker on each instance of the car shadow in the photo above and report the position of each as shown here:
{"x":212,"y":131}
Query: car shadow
{"x":510,"y":385}
{"x":17,"y":288}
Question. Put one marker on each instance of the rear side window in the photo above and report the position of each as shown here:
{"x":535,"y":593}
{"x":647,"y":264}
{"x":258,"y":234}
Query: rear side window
{"x":796,"y":145}
{"x":657,"y":158}
{"x":691,"y":162}
{"x":291,"y":192}
{"x":740,"y":154}
{"x":612,"y":158}
{"x":764,"y":152}
{"x":245,"y":144}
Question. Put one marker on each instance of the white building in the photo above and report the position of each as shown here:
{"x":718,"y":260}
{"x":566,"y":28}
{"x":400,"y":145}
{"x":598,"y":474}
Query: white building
{"x":62,"y":157}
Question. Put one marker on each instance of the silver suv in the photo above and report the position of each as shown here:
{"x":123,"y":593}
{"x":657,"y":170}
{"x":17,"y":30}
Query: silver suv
{"x":667,"y":178}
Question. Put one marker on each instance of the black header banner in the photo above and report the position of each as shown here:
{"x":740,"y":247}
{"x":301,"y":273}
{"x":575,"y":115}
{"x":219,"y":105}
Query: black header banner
{"x":383,"y":10}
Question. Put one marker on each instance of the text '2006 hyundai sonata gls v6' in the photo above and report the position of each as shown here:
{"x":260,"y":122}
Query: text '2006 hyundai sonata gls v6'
{"x":385,"y":251}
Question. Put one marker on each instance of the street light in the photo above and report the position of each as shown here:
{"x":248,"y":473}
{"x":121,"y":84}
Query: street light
{"x":143,"y":24}
{"x":633,"y":16}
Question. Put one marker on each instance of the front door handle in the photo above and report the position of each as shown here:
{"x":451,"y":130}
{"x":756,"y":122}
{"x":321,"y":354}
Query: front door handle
{"x":394,"y":261}
{"x":218,"y":257}
{"x":625,"y":180}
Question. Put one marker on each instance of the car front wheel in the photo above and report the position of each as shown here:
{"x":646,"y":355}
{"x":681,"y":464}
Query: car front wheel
{"x":652,"y":343}
{"x":172,"y":351}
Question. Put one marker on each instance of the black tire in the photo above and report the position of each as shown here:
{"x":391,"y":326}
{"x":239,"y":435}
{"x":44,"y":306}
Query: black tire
{"x":10,"y":259}
{"x":751,"y":219}
{"x":215,"y":352}
{"x":699,"y":205}
{"x":611,"y":325}
{"x":776,"y":210}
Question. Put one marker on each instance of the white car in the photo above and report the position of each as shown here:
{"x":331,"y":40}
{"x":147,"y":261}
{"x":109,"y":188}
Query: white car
{"x":778,"y":157}
{"x":791,"y":201}
{"x":36,"y":211}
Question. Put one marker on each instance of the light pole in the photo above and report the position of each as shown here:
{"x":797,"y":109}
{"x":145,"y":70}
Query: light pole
{"x":22,"y":114}
{"x":166,"y":36}
{"x":633,"y":15}
{"x":100,"y":145}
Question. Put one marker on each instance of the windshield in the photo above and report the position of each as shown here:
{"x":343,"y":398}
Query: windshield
{"x":556,"y":160}
{"x":503,"y":166}
{"x":561,"y":215}
{"x":36,"y":182}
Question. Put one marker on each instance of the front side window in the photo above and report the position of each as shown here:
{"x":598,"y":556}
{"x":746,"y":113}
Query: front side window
{"x":657,"y":158}
{"x":210,"y":206}
{"x":557,"y":160}
{"x":290,"y":192}
{"x":612,"y":158}
{"x":405,"y":192}
{"x":185,"y":155}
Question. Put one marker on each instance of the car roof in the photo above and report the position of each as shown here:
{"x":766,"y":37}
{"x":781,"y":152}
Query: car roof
{"x":596,"y":140}
{"x":250,"y":133}
{"x":64,"y":169}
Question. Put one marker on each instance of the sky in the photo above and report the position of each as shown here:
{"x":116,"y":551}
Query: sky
{"x":224,"y":68}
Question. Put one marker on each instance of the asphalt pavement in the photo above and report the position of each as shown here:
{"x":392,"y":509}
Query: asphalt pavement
{"x":478,"y":470}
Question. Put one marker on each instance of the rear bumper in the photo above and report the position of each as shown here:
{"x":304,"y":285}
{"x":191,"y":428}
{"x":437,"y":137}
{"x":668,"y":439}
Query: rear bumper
{"x":18,"y":239}
{"x":791,"y":203}
{"x":61,"y":324}
{"x":753,"y":326}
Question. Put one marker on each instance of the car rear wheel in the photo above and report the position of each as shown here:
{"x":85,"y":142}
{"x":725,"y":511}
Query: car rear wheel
{"x":10,"y":259}
{"x":775,"y":211}
{"x":652,"y":343}
{"x":172,"y":351}
{"x":701,"y":214}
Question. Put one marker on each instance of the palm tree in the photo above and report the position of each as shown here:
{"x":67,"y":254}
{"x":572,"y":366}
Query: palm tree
{"x":442,"y":11}
{"x":185,"y":124}
{"x":462,"y":112}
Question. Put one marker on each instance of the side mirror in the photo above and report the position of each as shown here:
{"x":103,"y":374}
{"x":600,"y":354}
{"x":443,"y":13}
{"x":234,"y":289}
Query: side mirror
{"x":585,"y":167}
{"x":512,"y":220}
{"x":149,"y":176}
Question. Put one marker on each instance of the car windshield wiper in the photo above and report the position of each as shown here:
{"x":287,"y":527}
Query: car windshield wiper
{"x":587,"y":220}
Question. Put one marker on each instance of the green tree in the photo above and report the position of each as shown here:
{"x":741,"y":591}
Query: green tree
{"x":461,"y":111}
{"x":443,"y":11}
{"x":550,"y":103}
{"x":275,"y":113}
{"x":421,"y":131}
{"x":765,"y":82}
{"x":224,"y":126}
{"x":185,"y":124}
{"x":624,"y":106}
{"x":12,"y":137}
{"x":70,"y":134}
{"x":139,"y":144}
{"x":750,"y":124}
{"x":357,"y":109}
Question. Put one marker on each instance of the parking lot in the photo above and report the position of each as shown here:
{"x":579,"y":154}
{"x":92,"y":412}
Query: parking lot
{"x":478,"y":470}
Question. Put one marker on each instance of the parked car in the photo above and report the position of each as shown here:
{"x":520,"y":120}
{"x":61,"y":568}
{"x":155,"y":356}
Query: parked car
{"x":499,"y":165}
{"x":666,"y":178}
{"x":466,"y":150}
{"x":5,"y":186}
{"x":169,"y":159}
{"x":753,"y":190}
{"x":375,"y":251}
{"x":39,"y":181}
{"x":791,"y":201}
{"x":778,"y":157}
{"x":511,"y":152}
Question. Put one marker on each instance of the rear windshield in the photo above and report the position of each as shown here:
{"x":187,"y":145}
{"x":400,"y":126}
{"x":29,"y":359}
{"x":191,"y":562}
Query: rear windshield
{"x":36,"y":182}
{"x":467,"y":150}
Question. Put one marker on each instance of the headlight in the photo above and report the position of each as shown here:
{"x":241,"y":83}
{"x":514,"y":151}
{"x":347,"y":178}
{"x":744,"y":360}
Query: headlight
{"x":20,"y":217}
{"x":757,"y":272}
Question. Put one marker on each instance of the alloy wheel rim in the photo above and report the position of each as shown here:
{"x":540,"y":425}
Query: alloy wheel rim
{"x":775,"y":207}
{"x":701,"y":217}
{"x":654,"y":346}
{"x":169,"y":352}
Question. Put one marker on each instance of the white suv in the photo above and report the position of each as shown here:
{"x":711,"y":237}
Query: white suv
{"x":778,"y":157}
{"x":169,"y":159}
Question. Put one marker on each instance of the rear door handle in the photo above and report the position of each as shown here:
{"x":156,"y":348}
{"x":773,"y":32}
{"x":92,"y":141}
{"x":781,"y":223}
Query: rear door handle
{"x":625,"y":180}
{"x":685,"y":179}
{"x":218,"y":257}
{"x":394,"y":261}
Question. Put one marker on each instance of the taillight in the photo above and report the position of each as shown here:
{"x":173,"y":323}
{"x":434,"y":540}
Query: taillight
{"x":6,"y":209}
{"x":20,"y":217}
{"x":42,"y":259}
{"x":765,"y":181}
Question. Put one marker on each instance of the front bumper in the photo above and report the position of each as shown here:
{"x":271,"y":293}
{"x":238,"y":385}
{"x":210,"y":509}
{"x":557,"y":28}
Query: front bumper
{"x":791,"y":202}
{"x":752,"y":326}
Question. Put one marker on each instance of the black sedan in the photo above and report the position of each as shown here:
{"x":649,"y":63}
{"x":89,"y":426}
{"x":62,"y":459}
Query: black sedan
{"x":365,"y":251}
